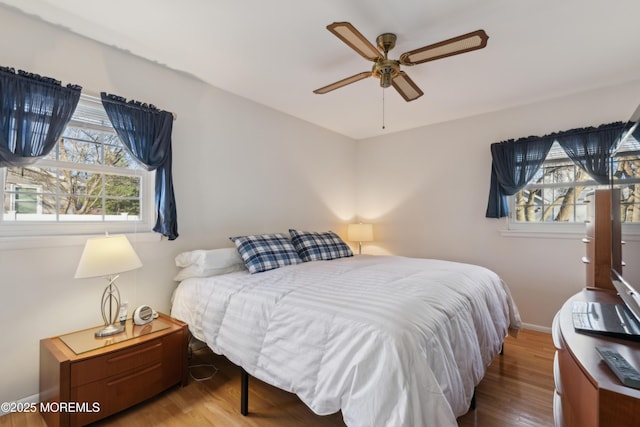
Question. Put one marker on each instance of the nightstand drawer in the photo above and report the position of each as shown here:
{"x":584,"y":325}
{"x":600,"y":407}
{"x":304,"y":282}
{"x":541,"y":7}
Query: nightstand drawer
{"x":116,"y":363}
{"x":117,"y":393}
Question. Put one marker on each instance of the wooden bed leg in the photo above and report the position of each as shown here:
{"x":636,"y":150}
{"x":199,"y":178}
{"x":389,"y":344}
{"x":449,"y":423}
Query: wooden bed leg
{"x":244,"y":392}
{"x":473,"y":400}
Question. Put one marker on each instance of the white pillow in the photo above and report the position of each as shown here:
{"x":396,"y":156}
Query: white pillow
{"x":205,"y":263}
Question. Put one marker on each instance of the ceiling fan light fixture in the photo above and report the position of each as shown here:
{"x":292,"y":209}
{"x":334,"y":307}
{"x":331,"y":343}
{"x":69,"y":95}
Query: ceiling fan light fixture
{"x":385,"y":80}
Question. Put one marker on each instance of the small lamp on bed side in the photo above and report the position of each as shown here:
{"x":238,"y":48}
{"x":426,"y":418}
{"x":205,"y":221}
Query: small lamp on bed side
{"x":107,"y":256}
{"x":360,"y":233}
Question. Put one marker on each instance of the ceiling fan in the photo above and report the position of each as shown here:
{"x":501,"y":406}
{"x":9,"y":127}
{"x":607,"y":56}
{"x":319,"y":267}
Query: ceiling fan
{"x":388,"y":70}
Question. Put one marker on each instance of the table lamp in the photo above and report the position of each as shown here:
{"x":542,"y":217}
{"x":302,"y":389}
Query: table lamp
{"x":108,"y":256}
{"x":360,"y":233}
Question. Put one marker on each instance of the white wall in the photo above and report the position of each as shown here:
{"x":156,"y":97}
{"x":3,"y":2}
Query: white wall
{"x":238,"y":167}
{"x":426,"y":190}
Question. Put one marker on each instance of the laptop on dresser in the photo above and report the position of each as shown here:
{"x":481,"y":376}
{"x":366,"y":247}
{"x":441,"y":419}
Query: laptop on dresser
{"x":621,"y":320}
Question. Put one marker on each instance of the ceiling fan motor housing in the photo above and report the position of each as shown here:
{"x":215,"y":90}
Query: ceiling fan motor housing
{"x":386,"y":69}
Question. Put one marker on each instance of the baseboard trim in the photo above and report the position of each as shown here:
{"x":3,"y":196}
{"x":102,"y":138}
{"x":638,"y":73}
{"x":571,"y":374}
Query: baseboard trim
{"x":536,"y":328}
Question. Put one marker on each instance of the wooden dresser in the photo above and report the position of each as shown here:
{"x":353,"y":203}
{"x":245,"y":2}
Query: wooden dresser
{"x":588,"y":394}
{"x":84,"y":379}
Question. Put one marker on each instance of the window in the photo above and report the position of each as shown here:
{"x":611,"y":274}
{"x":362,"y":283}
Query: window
{"x":558,"y":191}
{"x":627,"y":178}
{"x":87,"y":183}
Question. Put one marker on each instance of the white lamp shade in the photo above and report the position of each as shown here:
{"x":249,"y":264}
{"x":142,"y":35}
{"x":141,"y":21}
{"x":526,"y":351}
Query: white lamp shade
{"x":106,"y":256}
{"x":360,"y":232}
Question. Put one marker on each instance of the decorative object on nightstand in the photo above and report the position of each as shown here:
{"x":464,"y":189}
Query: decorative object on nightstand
{"x":360,"y":233}
{"x":108,"y":256}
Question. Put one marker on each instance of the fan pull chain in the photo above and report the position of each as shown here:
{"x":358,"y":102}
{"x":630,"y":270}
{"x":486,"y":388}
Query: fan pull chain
{"x":383,"y":109}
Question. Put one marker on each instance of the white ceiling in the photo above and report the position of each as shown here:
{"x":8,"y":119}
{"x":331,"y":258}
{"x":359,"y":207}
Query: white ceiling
{"x":277,"y":52}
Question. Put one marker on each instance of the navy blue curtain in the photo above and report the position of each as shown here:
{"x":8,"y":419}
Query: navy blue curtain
{"x":34,"y":111}
{"x":146,"y":133}
{"x":514,"y":164}
{"x":591,"y":148}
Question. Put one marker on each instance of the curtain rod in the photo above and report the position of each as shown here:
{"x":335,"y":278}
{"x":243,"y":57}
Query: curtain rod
{"x":92,"y":97}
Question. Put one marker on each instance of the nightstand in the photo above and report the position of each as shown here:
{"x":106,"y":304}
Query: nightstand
{"x":84,"y":379}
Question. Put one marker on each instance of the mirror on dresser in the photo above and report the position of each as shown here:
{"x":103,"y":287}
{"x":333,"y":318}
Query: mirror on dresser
{"x":624,"y":183}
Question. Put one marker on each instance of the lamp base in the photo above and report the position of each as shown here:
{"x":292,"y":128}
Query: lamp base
{"x":110,"y":305}
{"x":110,"y":330}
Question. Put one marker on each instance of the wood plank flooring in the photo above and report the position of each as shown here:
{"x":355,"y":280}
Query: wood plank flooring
{"x":516,"y":391}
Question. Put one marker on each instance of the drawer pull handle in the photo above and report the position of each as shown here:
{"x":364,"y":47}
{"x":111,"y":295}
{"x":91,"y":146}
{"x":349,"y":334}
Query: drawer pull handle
{"x":586,"y":260}
{"x":134,"y":353}
{"x":133,"y":375}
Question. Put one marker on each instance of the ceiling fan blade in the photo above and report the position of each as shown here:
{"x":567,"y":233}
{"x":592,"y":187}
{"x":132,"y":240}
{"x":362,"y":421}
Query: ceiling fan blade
{"x":343,"y":82}
{"x":406,"y":87}
{"x":464,"y":43}
{"x":356,"y":41}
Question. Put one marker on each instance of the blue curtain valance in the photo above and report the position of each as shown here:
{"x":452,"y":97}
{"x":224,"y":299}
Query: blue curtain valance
{"x":34,"y":111}
{"x":591,"y":148}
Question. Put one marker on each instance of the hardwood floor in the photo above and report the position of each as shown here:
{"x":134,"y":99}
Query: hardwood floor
{"x":516,"y":391}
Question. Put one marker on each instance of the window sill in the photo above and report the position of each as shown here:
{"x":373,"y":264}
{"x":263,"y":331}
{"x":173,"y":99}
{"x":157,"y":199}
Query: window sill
{"x":31,"y":242}
{"x":574,"y":235}
{"x":630,"y":235}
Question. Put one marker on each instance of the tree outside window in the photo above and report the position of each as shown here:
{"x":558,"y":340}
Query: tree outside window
{"x":557,"y":192}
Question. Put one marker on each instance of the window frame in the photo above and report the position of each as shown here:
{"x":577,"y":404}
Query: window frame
{"x":631,"y":231}
{"x":90,"y":106}
{"x":15,"y":200}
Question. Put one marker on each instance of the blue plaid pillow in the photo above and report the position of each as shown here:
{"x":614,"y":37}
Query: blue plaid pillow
{"x":266,"y":251}
{"x":314,"y":246}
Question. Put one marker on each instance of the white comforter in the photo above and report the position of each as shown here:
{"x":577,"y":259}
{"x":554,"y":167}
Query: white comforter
{"x":390,"y":341}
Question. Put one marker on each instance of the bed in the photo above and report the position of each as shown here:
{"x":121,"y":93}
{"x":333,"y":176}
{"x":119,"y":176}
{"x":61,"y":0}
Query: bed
{"x":388,"y":340}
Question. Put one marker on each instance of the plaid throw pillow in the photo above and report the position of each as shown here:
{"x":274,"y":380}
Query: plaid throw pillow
{"x":266,"y":251}
{"x":314,"y":246}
